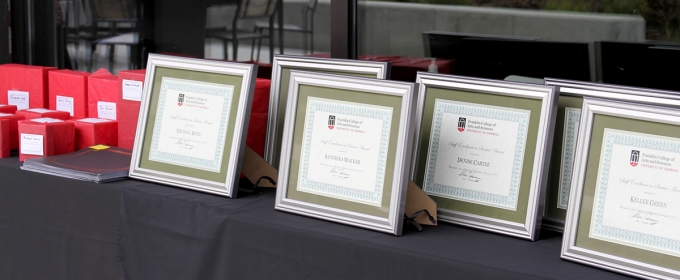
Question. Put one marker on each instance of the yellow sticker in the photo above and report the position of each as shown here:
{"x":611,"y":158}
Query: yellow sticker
{"x":99,"y":147}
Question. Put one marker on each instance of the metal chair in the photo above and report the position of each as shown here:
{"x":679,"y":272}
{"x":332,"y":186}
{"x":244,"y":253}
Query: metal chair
{"x":306,"y":28}
{"x":247,"y":9}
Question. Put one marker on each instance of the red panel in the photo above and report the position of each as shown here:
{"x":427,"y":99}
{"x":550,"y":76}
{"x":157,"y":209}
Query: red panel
{"x":70,"y":84}
{"x":32,"y":79}
{"x":4,"y":138}
{"x":58,"y":137}
{"x":257,"y":127}
{"x":128,"y":110}
{"x":13,"y":129}
{"x":90,"y":134}
{"x":7,"y":109}
{"x":101,"y":86}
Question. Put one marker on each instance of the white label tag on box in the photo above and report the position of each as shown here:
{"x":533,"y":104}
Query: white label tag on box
{"x":32,"y":144}
{"x":18,"y":98}
{"x":46,"y":120}
{"x":93,"y":120}
{"x":106,"y":110}
{"x":65,"y":103}
{"x":40,"y":110}
{"x":132,"y":90}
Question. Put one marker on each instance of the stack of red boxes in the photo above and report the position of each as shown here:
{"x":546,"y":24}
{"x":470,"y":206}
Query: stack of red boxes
{"x":25,"y":86}
{"x":101,"y":109}
{"x":68,"y":92}
{"x":131,"y":84}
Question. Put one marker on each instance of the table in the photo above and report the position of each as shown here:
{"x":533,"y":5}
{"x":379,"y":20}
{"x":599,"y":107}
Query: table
{"x":58,"y":228}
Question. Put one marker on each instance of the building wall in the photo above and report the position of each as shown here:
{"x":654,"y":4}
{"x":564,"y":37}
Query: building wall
{"x":392,"y":28}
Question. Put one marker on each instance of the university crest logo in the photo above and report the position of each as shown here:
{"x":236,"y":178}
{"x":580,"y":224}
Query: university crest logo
{"x":634,"y":157}
{"x":180,"y":99}
{"x":331,"y":122}
{"x":461,"y":124}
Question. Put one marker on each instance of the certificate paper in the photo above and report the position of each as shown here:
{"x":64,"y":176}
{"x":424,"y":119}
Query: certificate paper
{"x":476,"y":153}
{"x":572,"y":119}
{"x":191,"y":123}
{"x":637,"y":198}
{"x":344,"y":150}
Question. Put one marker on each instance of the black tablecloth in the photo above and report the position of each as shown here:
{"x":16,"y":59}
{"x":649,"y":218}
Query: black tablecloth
{"x":56,"y":228}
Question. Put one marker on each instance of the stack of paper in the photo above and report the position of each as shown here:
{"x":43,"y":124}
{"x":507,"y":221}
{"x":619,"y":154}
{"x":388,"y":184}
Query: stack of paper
{"x":98,"y":164}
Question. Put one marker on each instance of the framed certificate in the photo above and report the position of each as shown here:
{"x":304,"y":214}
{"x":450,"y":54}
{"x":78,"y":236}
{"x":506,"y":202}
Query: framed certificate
{"x":624,"y":204}
{"x":346,"y":150}
{"x":481,"y":151}
{"x":283,"y":64}
{"x":566,"y":132}
{"x":192,"y":123}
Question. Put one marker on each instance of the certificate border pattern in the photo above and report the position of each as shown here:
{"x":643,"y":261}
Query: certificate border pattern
{"x":612,"y":138}
{"x":573,"y":117}
{"x":203,"y":88}
{"x":374,"y":197}
{"x":509,"y":201}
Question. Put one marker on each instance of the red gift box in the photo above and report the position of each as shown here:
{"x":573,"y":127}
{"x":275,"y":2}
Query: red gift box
{"x":131,"y":84}
{"x":68,"y":92}
{"x":45,"y":137}
{"x":13,"y":129}
{"x":102,"y":95}
{"x":37,"y":113}
{"x":93,"y":131}
{"x":8,"y":109}
{"x":4,"y":139}
{"x":24,"y":85}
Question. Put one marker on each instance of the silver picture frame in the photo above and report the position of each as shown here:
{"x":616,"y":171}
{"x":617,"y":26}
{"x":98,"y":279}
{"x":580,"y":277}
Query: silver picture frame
{"x":552,"y":218}
{"x":525,"y":226}
{"x":355,"y":89}
{"x":578,"y":245}
{"x":278,"y":94}
{"x":239,"y":76}
{"x":614,"y":92}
